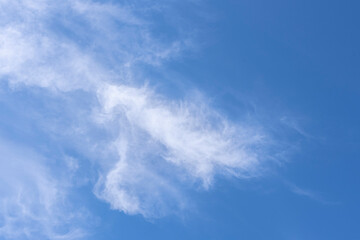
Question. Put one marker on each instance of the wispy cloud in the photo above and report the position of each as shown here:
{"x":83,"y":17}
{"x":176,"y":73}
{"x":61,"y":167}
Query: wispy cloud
{"x":159,"y":139}
{"x":315,"y":196}
{"x":33,"y":203}
{"x":147,"y":147}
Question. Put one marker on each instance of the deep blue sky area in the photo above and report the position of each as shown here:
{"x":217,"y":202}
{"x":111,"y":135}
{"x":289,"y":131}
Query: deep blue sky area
{"x":289,"y":68}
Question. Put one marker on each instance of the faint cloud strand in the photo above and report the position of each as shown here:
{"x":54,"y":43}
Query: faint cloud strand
{"x":33,"y":204}
{"x":309,"y":194}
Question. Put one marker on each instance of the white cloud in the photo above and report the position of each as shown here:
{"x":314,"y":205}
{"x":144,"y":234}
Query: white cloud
{"x":163,"y":144}
{"x":33,"y":203}
{"x":157,"y":145}
{"x":55,"y":45}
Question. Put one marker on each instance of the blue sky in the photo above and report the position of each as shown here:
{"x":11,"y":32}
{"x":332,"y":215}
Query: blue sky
{"x":179,"y":119}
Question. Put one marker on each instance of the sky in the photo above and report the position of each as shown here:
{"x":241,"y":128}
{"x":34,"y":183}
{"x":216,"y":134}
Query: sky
{"x":167,"y":119}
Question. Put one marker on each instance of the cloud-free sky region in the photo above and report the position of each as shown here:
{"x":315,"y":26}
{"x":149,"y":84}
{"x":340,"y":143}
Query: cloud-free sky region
{"x":167,"y":119}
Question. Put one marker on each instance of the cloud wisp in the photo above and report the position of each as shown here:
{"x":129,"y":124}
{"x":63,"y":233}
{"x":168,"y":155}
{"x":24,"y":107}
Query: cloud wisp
{"x":154,"y":145}
{"x":33,"y":203}
{"x":315,"y":196}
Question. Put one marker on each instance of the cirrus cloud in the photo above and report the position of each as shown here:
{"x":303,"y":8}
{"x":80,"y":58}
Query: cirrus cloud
{"x":148,"y":146}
